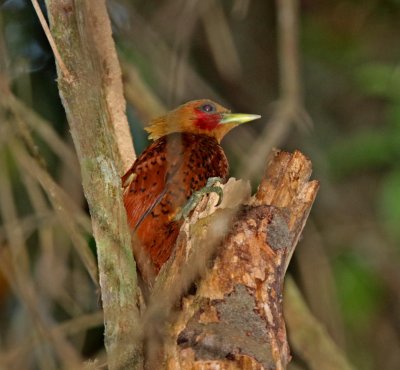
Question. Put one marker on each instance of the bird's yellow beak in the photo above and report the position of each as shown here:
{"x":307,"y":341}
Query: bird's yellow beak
{"x":238,"y":118}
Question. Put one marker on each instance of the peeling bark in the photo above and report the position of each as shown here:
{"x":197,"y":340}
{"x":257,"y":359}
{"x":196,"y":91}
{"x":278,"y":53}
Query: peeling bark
{"x":234,"y":319}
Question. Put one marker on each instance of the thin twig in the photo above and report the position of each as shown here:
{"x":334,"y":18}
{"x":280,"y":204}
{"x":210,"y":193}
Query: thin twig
{"x":155,"y":47}
{"x":67,"y":328}
{"x":24,"y":116}
{"x":30,"y":223}
{"x":67,"y":75}
{"x":221,"y":41}
{"x":61,"y":205}
{"x":44,"y":130}
{"x":288,"y":52}
{"x":22,"y":282}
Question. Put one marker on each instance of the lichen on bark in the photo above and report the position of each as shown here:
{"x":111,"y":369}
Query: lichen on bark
{"x":94,"y":103}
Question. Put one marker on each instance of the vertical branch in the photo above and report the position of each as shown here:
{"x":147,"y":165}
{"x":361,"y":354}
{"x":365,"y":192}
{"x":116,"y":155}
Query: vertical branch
{"x":288,"y":53}
{"x":289,"y":108}
{"x":95,"y":109}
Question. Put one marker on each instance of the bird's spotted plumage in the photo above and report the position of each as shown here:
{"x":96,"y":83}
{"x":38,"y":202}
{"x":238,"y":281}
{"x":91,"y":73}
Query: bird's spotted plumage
{"x":161,"y":181}
{"x":184,"y":155}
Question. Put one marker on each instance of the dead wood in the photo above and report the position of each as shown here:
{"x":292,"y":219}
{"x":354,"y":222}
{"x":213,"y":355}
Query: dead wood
{"x":237,"y":254}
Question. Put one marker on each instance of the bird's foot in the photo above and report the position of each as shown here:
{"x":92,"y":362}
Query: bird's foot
{"x":210,"y":187}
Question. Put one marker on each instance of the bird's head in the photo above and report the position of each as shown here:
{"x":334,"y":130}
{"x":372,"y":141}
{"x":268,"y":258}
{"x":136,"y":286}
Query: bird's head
{"x":198,"y":117}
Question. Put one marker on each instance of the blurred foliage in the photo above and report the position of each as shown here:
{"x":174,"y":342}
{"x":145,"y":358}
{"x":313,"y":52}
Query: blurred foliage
{"x":359,"y":290}
{"x":390,"y":203}
{"x":351,"y":77}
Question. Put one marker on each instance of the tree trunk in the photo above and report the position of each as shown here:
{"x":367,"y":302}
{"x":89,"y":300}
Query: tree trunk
{"x":234,"y":319}
{"x":91,"y":92}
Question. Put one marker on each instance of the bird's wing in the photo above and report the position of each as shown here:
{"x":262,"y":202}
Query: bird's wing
{"x":146,"y":182}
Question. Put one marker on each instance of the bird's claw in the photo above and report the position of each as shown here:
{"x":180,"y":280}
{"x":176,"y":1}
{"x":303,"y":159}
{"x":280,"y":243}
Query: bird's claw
{"x":197,"y":195}
{"x":218,"y":191}
{"x":212,"y":181}
{"x":211,"y":188}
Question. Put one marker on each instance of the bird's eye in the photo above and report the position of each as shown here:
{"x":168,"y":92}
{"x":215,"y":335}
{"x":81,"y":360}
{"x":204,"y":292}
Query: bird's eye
{"x":208,"y":108}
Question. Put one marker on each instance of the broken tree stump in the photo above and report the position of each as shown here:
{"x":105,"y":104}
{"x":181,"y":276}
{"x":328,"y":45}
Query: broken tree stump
{"x":237,"y":255}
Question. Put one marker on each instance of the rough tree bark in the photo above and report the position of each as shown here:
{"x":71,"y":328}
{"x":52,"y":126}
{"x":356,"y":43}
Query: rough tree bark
{"x":90,"y":86}
{"x":234,"y":320}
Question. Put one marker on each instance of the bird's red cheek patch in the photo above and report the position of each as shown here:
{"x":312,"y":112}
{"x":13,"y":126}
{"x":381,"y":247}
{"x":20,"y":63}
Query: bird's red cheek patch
{"x":207,"y":121}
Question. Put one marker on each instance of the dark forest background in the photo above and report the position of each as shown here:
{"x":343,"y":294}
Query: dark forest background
{"x":347,"y":264}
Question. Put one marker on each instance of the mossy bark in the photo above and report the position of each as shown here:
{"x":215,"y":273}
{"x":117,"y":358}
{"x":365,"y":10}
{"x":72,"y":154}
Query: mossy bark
{"x":92,"y":96}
